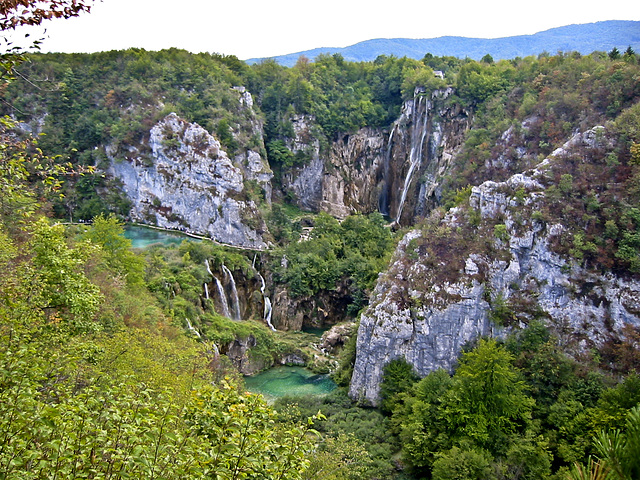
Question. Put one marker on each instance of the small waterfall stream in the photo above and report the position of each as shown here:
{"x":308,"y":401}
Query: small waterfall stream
{"x":206,"y":264}
{"x":267,"y":312}
{"x":418,"y":135}
{"x":192,"y":330}
{"x":223,"y":298}
{"x":235,"y":301}
{"x":206,"y":286}
{"x":267,"y":302}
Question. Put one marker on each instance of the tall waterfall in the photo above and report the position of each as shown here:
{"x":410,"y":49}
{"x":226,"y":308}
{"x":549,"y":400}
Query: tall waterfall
{"x":383,"y":198}
{"x":267,"y":302}
{"x":206,"y":291}
{"x":235,"y":302}
{"x":418,"y":135}
{"x":223,"y":298}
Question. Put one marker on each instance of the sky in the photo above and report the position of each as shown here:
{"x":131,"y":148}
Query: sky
{"x":265,"y":28}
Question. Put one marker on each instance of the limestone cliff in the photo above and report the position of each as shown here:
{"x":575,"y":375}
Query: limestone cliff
{"x":321,"y":310}
{"x":396,"y":171}
{"x":419,"y":151}
{"x":490,"y":261}
{"x":189,"y":182}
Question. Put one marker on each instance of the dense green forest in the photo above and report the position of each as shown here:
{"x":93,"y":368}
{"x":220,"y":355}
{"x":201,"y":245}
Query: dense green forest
{"x":101,"y":376}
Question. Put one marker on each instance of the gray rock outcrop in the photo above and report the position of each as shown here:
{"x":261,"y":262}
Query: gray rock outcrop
{"x":189,"y":183}
{"x":397,"y":172}
{"x":424,"y":313}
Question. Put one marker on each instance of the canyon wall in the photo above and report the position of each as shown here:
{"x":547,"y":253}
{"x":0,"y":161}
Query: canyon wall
{"x":430,"y":303}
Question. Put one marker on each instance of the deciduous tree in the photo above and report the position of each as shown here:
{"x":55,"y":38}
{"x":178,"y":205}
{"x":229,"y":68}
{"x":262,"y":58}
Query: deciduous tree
{"x":17,"y":13}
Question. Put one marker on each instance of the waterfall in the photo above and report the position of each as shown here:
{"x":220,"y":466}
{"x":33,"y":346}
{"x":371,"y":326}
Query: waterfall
{"x":206,"y":287}
{"x":267,"y":312}
{"x":192,"y":330}
{"x":418,"y":134}
{"x":223,"y":298}
{"x":235,"y":302}
{"x":383,"y":199}
{"x":267,"y":303}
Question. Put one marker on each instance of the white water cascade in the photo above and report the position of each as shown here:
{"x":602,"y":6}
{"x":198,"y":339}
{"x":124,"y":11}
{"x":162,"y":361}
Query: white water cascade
{"x":267,"y":312}
{"x":235,"y":302}
{"x":418,"y":135}
{"x":206,"y":287}
{"x":223,"y":298}
{"x":206,"y":264}
{"x":192,"y":330}
{"x":267,"y":303}
{"x":383,"y":198}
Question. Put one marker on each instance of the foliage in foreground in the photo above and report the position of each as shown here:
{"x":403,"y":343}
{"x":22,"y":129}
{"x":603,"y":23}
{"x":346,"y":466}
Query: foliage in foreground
{"x":518,"y":410}
{"x":80,"y":400}
{"x":95,"y":382}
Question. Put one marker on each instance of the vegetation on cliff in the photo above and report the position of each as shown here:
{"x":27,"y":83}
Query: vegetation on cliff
{"x":100,"y":375}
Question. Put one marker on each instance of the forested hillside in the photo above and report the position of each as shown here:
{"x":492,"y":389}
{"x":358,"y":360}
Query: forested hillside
{"x":583,"y":38}
{"x":478,"y":228}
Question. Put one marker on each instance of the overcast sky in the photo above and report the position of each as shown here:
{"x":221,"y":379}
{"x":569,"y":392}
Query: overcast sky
{"x":263,"y":28}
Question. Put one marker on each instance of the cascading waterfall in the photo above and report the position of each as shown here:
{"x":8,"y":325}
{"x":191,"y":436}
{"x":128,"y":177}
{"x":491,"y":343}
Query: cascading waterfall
{"x":418,"y":135}
{"x":267,"y":312}
{"x":383,"y":199}
{"x":267,"y":303}
{"x":192,"y":330}
{"x":206,"y":264}
{"x":235,"y":302}
{"x":206,"y":287}
{"x":223,"y":298}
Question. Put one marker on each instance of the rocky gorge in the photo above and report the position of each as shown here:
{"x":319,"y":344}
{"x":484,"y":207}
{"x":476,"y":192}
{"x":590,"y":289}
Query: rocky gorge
{"x":511,"y":281}
{"x":497,"y":229}
{"x":191,"y":183}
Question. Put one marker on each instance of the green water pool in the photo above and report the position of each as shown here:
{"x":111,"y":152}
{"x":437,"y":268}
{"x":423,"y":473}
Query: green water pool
{"x":142,"y":237}
{"x":316,"y":331}
{"x":295,"y":381}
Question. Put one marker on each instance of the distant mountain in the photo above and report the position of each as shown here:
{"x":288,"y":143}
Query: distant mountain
{"x":583,"y":38}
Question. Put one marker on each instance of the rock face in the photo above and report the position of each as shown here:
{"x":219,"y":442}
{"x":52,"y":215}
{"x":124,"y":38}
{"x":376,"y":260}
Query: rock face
{"x":336,"y":337}
{"x":424,"y":313}
{"x":190,"y":183}
{"x":419,"y":150}
{"x":240,"y":354}
{"x":427,"y":335}
{"x":323,"y":309}
{"x":396,"y":172}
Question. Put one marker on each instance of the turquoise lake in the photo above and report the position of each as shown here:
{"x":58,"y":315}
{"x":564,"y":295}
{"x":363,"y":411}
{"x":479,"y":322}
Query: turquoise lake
{"x":142,"y":237}
{"x":295,"y":381}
